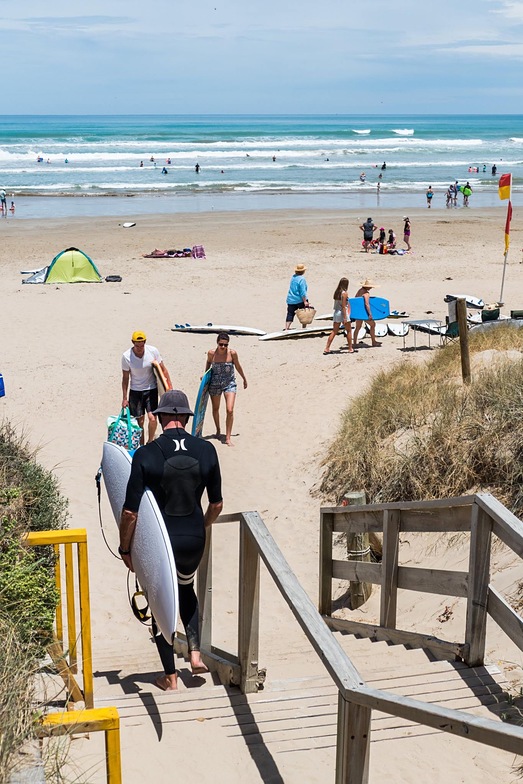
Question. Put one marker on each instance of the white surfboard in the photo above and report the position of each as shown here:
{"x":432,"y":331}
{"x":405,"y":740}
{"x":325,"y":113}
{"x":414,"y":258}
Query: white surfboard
{"x":361,"y":334}
{"x":127,"y":225}
{"x":285,"y":334}
{"x":472,"y":302}
{"x":215,"y":328}
{"x":398,"y":329}
{"x":151,"y":549}
{"x":381,"y":329}
{"x":324,"y":317}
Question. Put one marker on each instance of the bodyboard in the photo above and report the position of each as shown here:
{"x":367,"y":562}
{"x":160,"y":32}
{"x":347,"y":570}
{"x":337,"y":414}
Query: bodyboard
{"x":201,"y":404}
{"x":379,"y":308}
{"x":151,"y":550}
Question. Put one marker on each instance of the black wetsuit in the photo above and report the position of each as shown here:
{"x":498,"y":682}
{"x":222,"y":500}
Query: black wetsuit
{"x":177,"y":468}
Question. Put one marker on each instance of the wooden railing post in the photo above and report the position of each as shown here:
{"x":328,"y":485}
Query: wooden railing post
{"x":248,"y":611}
{"x":479,"y":576}
{"x":325,"y":600}
{"x":389,"y":567}
{"x":204,"y":591}
{"x":353,"y":743}
{"x":358,"y":549}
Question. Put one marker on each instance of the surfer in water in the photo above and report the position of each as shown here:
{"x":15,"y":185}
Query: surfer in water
{"x":177,"y":468}
{"x":139,"y":387}
{"x":223,"y":361}
{"x":364,"y":292}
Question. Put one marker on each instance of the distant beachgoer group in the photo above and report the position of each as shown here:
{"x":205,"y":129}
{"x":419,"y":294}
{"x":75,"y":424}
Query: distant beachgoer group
{"x":384,"y":243}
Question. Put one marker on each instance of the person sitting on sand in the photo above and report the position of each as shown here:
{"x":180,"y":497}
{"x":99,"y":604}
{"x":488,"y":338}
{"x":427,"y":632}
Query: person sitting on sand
{"x":223,"y":361}
{"x":391,"y":241}
{"x":341,"y":315}
{"x":364,"y":292}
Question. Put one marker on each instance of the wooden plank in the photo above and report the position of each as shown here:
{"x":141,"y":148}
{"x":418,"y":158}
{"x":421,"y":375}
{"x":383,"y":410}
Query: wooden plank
{"x":498,"y":734}
{"x":505,"y":525}
{"x":479,"y":578}
{"x":326,"y":564}
{"x":437,"y":581}
{"x":204,"y":592}
{"x":506,"y":618}
{"x":436,"y":503}
{"x":439,"y":520}
{"x":227,"y":670}
{"x":358,"y":549}
{"x":342,"y":670}
{"x":356,"y":570}
{"x":389,"y":567}
{"x":248,"y":612}
{"x":398,"y":637}
{"x":60,"y":662}
{"x":353,"y":743}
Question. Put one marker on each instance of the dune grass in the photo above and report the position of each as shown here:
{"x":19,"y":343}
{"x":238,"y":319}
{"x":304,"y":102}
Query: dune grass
{"x":419,"y":433}
{"x":29,"y":501}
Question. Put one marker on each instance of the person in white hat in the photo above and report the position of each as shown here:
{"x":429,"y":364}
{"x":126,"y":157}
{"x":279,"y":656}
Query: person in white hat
{"x":364,"y":292}
{"x":297,"y":296}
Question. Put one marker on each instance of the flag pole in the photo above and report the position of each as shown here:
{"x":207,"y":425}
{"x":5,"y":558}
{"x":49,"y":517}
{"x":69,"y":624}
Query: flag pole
{"x":507,"y":228}
{"x":503,"y":278}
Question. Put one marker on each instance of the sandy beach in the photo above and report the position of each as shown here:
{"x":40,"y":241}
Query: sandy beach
{"x":61,"y":368}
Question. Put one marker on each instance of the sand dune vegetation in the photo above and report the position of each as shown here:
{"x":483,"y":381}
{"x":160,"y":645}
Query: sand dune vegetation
{"x":29,"y":501}
{"x":419,"y":433}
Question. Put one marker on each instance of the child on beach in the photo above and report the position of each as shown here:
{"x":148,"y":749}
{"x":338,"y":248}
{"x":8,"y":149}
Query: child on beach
{"x":364,"y":292}
{"x":406,"y":232}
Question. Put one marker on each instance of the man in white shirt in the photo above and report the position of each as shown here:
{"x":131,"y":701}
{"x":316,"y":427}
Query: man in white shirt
{"x":139,"y":387}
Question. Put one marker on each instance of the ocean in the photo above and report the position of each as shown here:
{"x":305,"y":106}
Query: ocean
{"x":252,"y":162}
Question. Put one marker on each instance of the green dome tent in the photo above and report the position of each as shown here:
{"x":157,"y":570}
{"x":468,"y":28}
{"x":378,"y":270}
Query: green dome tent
{"x":72,"y":266}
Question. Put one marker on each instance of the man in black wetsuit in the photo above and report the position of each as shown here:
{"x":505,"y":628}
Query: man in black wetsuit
{"x":177,"y":467}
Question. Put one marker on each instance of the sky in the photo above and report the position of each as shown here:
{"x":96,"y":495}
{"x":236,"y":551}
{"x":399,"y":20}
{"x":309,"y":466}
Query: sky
{"x":253,"y":57}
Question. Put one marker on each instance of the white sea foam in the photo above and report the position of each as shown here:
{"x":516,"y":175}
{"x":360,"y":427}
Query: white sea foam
{"x":403,"y":131}
{"x":366,"y":131}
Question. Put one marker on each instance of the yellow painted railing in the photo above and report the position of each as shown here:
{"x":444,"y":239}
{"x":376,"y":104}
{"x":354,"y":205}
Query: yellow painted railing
{"x":99,"y":719}
{"x":68,"y":538}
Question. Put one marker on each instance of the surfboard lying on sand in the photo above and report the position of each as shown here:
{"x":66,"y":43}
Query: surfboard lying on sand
{"x":161,"y":380}
{"x":215,"y":328}
{"x":399,"y":330}
{"x":472,"y":302}
{"x":296,"y":333}
{"x":151,"y":550}
{"x":201,"y":404}
{"x":127,"y":225}
{"x":308,"y":332}
{"x":380,"y":330}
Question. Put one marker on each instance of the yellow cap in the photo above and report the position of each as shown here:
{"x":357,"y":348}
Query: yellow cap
{"x":138,"y":336}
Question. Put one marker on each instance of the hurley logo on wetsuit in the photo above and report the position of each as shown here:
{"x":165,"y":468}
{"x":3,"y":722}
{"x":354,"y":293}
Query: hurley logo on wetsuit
{"x":179,"y":444}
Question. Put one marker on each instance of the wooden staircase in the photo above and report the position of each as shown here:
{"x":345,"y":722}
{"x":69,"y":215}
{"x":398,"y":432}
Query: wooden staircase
{"x":287,"y":732}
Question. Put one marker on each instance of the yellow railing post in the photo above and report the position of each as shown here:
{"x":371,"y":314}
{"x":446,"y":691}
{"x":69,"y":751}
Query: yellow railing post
{"x":68,"y":537}
{"x":58,"y":584}
{"x":95,"y":720}
{"x":70,"y":604}
{"x":85,"y":624}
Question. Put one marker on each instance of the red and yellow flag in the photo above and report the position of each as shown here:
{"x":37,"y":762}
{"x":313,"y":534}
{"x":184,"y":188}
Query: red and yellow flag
{"x":505,"y":186}
{"x":507,"y":226}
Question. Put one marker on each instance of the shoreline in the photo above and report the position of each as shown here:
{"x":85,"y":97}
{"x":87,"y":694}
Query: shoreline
{"x":126,"y":205}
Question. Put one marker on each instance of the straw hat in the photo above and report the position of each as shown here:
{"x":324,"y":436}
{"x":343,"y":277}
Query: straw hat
{"x":299,"y":268}
{"x":368,"y":284}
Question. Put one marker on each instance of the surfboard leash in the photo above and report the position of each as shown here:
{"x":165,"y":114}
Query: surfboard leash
{"x":98,"y":480}
{"x":141,"y":613}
